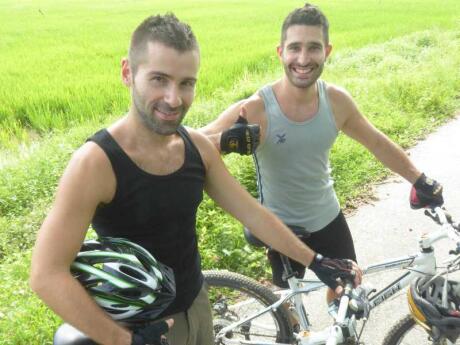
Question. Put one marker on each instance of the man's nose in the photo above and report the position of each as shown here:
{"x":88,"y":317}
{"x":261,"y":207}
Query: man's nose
{"x":173,"y":97}
{"x":304,"y":57}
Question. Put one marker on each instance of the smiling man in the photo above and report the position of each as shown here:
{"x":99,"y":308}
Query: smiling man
{"x":143,"y":179}
{"x":298,"y":118}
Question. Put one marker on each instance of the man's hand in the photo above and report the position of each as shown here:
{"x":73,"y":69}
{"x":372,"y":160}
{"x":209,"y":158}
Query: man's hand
{"x":329,"y":270}
{"x":152,"y":334}
{"x":426,"y":192}
{"x":241,"y":137}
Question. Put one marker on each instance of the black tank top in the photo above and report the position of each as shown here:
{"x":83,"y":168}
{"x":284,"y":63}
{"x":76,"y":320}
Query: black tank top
{"x":158,"y":213}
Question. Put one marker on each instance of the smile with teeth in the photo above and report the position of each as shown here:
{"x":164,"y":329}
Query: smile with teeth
{"x":302,"y":70}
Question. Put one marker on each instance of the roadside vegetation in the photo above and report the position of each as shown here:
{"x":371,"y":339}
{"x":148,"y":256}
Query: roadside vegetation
{"x":60,"y":61}
{"x":405,"y":79}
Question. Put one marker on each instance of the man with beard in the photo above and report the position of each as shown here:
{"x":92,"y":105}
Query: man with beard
{"x":142,"y":179}
{"x":299,"y":117}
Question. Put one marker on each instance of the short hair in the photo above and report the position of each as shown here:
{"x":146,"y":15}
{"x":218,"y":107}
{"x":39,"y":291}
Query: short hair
{"x":306,"y":15}
{"x":166,"y":29}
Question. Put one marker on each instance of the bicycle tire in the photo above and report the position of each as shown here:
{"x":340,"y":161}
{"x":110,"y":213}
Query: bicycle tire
{"x":407,"y":332}
{"x":234,"y":296}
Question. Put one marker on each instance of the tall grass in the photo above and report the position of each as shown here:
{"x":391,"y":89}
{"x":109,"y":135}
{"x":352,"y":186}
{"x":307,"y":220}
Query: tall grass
{"x":60,"y":60}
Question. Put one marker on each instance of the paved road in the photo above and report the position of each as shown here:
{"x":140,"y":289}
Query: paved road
{"x":388,"y":228}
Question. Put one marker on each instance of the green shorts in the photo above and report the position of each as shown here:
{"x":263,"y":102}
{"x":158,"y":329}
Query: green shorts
{"x":194,"y":326}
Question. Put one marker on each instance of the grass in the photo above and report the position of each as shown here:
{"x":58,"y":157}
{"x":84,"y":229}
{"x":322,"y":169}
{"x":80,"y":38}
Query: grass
{"x":24,"y":319}
{"x":60,"y":61}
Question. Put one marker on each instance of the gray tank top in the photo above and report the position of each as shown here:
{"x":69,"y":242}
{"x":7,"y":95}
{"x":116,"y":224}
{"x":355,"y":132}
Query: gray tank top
{"x":292,"y":164}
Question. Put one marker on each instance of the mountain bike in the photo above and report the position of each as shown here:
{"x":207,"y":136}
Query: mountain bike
{"x":248,"y":313}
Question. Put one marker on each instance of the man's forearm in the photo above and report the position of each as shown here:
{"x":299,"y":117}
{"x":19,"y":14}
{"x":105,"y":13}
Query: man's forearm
{"x":67,"y":298}
{"x":394,"y":158}
{"x":270,"y":230}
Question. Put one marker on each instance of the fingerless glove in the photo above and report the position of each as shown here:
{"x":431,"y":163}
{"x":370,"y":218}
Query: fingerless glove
{"x":241,"y":138}
{"x":426,"y":192}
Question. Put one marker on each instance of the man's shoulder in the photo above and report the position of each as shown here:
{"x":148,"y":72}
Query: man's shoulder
{"x":202,"y":143}
{"x":90,"y":158}
{"x":89,"y":172}
{"x":336,"y":93}
{"x":342,"y":103}
{"x":194,"y":133}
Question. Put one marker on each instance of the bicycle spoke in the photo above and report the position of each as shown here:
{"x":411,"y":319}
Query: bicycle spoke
{"x":234,"y":298}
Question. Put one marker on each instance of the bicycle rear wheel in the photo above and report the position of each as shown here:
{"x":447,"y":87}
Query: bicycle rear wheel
{"x":234,"y":297}
{"x":408,"y":332}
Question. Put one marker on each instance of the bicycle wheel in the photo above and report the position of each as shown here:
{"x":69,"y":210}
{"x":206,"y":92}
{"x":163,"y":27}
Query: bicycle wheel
{"x":234,"y":297}
{"x":408,"y":332}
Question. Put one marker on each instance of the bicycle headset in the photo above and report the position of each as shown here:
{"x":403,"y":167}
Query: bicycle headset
{"x":124,"y":279}
{"x":425,"y":303}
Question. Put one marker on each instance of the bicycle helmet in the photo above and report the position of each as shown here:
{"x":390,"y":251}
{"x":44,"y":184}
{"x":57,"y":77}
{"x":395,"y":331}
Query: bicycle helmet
{"x":124,"y":279}
{"x":425,"y":303}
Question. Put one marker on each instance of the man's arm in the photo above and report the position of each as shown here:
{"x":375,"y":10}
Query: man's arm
{"x":251,"y":109}
{"x":355,"y":125}
{"x":87,"y":181}
{"x":223,"y":122}
{"x":233,"y":198}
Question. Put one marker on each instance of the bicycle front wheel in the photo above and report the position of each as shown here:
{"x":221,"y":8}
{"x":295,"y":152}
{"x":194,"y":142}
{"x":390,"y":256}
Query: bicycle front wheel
{"x":234,"y":297}
{"x":408,"y":332}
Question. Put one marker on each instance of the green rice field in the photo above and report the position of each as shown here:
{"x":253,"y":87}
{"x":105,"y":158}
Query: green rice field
{"x":60,"y":60}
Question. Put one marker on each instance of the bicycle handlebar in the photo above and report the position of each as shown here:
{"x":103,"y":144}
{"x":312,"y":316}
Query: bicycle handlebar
{"x":441,"y":216}
{"x":448,"y":229}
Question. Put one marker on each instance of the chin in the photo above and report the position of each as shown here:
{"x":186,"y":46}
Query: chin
{"x":304,"y":84}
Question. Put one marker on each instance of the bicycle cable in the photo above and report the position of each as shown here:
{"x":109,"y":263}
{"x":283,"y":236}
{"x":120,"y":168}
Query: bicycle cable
{"x":358,"y":337}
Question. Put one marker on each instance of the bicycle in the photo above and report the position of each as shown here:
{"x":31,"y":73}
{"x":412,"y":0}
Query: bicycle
{"x":248,"y":313}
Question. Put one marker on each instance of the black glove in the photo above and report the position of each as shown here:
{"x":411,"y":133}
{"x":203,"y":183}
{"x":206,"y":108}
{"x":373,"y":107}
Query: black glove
{"x":426,"y":192}
{"x":329,"y":270}
{"x":241,"y":138}
{"x":150,"y":334}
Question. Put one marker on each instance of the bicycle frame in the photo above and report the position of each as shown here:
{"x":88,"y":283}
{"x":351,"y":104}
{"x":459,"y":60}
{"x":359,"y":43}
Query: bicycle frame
{"x":419,"y":264}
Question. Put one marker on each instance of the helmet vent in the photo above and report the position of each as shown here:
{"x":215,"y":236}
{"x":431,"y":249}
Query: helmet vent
{"x":131,"y":272}
{"x":131,"y":293}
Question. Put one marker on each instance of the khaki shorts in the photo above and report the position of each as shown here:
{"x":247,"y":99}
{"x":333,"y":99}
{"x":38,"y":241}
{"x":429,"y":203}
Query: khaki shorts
{"x":194,"y":326}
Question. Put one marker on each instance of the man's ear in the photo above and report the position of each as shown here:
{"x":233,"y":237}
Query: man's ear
{"x":279,"y":51}
{"x":126,"y":73}
{"x":328,"y":50}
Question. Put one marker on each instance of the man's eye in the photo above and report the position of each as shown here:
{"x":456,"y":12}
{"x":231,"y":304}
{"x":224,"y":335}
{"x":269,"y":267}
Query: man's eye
{"x":157,"y":79}
{"x":189,"y":83}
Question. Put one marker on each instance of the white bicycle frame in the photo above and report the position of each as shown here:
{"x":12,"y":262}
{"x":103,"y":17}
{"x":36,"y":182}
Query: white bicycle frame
{"x":419,"y":264}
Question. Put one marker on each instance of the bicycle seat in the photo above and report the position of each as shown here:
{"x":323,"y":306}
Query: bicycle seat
{"x":69,"y":335}
{"x":299,"y":231}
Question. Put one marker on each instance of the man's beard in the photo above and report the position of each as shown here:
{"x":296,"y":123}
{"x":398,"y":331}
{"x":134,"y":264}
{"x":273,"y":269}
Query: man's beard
{"x":304,"y":84}
{"x":148,"y":118}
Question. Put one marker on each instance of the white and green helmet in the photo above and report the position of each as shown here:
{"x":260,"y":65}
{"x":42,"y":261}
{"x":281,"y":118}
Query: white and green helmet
{"x":124,"y":278}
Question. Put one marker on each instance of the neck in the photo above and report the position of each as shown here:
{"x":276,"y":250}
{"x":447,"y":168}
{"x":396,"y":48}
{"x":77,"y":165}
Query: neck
{"x":296,"y":94}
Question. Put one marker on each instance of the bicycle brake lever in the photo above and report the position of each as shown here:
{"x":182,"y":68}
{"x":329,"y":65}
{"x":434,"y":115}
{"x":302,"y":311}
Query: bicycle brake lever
{"x":430,"y":214}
